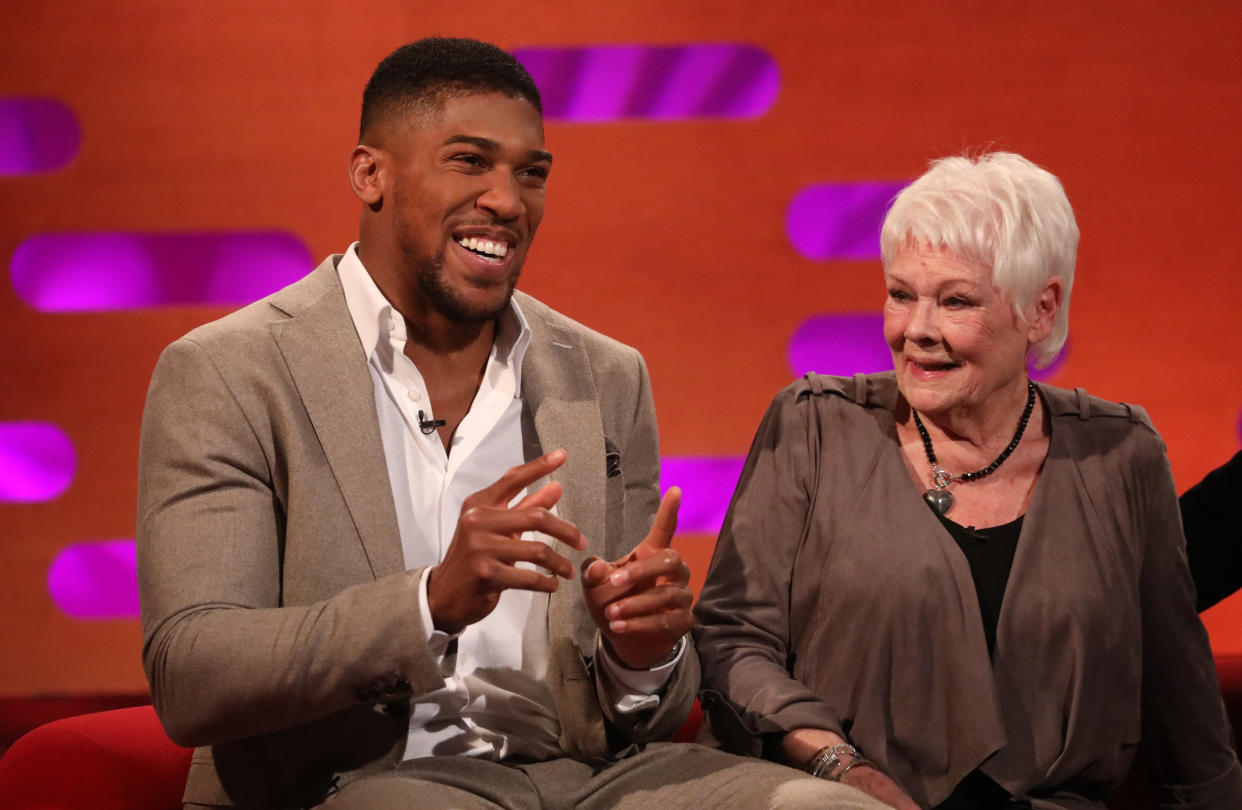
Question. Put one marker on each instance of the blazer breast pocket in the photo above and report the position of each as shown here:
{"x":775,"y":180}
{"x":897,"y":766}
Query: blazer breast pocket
{"x":614,"y":498}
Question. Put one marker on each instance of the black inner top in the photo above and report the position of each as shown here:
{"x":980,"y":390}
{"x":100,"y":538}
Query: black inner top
{"x":990,"y":555}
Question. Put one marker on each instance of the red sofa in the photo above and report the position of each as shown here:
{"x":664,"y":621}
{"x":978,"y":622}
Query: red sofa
{"x":122,"y":760}
{"x":119,"y":760}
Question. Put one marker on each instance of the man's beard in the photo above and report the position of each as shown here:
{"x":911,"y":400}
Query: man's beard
{"x":429,"y":276}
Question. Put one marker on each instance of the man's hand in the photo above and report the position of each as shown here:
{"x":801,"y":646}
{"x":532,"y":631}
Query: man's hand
{"x":641,"y":602}
{"x":480,"y":562}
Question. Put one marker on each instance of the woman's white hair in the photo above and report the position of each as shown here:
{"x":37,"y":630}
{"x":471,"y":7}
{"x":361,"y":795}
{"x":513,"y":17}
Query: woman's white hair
{"x":1001,"y":211}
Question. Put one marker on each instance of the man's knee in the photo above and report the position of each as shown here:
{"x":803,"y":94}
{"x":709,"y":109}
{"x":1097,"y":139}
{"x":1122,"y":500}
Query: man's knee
{"x":393,"y":792}
{"x":760,"y":784}
{"x":808,"y":793}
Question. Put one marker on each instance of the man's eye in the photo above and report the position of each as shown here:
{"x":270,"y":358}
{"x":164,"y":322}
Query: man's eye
{"x":469,"y":159}
{"x":535,"y":173}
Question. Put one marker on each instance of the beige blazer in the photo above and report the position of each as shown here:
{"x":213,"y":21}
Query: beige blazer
{"x":281,"y":631}
{"x":837,"y":600}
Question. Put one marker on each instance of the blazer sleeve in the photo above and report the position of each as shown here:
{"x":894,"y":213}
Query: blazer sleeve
{"x":1186,"y":735}
{"x":642,"y":496}
{"x":742,"y":627}
{"x":224,"y":659}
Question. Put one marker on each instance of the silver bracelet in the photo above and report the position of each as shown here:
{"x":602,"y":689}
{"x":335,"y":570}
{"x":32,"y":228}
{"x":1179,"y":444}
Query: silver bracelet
{"x":826,"y":764}
{"x":858,"y":761}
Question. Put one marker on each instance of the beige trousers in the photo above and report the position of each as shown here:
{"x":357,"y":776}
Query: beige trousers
{"x":662,"y":776}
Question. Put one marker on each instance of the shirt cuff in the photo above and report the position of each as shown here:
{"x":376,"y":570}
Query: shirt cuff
{"x":634,"y":690}
{"x":438,"y":641}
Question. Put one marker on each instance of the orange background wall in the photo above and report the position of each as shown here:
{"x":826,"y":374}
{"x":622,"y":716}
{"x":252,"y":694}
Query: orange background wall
{"x":669,"y":236}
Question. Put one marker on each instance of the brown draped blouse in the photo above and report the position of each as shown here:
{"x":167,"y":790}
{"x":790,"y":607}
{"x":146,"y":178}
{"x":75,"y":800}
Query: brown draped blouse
{"x":837,"y":600}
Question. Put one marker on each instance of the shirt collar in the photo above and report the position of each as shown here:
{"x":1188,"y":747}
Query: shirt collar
{"x":375,"y":318}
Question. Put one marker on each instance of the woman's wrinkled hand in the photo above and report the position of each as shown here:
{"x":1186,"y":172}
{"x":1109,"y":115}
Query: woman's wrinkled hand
{"x":876,"y":784}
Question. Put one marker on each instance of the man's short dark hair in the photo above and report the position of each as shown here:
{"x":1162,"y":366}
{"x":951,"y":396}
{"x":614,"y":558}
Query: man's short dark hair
{"x":425,"y":72}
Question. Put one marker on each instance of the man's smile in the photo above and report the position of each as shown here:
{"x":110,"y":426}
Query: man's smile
{"x":485,"y":247}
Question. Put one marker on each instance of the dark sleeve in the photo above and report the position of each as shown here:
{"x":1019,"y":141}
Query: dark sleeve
{"x":1212,"y":518}
{"x":742,"y":626}
{"x":224,"y":659}
{"x":1186,"y":735}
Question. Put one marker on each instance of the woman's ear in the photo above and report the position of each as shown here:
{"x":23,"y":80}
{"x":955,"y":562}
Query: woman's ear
{"x":1047,"y":305}
{"x":366,"y":174}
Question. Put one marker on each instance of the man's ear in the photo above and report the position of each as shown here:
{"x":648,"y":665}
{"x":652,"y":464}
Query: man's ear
{"x":1047,"y":305}
{"x":366,"y":174}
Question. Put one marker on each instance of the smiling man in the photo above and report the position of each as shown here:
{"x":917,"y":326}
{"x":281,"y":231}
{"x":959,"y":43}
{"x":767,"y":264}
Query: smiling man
{"x":399,"y":542}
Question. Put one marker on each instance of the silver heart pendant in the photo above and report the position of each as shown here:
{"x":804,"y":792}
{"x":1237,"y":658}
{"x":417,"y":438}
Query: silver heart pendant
{"x":940,"y":500}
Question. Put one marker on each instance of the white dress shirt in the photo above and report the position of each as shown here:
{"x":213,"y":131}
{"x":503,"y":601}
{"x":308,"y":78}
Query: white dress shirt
{"x":495,"y":702}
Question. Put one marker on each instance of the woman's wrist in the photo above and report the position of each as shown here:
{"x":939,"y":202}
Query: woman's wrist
{"x":799,"y":745}
{"x":832,"y":762}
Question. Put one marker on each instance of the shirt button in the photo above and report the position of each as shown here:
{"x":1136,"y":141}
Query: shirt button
{"x":415,"y":394}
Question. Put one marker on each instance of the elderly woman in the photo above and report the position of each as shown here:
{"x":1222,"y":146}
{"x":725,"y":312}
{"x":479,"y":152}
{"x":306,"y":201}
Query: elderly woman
{"x":948,"y":585}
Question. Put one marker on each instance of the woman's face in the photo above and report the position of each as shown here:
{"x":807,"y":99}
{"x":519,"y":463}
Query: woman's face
{"x":955,"y":340}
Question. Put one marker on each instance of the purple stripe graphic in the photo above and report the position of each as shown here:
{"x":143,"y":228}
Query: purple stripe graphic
{"x":79,"y":272}
{"x":1049,"y":371}
{"x":839,"y":220}
{"x":37,"y":462}
{"x":844,"y":343}
{"x":36,"y":135}
{"x":707,"y":484}
{"x":653,"y":82}
{"x":95,"y":580}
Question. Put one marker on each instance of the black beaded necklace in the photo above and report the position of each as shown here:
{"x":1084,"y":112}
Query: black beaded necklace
{"x":939,"y":498}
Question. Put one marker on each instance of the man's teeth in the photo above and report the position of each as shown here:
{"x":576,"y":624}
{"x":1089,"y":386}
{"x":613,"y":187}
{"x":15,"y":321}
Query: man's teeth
{"x":487,"y":246}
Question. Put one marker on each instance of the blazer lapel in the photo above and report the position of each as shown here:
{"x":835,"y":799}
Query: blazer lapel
{"x":320,"y":347}
{"x":559,"y":392}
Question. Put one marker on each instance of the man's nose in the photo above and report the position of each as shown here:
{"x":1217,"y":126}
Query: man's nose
{"x":502,"y":196}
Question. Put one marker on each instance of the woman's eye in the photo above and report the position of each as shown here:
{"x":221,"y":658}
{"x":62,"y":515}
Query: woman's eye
{"x":956,"y":302}
{"x":899,"y":295}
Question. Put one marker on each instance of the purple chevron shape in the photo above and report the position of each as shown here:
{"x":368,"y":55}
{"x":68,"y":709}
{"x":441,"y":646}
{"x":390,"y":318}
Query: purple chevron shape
{"x":839,"y":220}
{"x":36,"y":135}
{"x":95,"y":580}
{"x":37,"y":462}
{"x":596,"y":83}
{"x":707,"y":484}
{"x":82,"y":272}
{"x":842,"y":343}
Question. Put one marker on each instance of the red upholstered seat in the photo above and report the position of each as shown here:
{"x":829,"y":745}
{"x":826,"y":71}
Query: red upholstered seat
{"x":116,"y":759}
{"x":1229,"y":670}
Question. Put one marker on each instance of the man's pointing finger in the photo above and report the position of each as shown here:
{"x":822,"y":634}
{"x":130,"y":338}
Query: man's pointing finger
{"x":665,"y":524}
